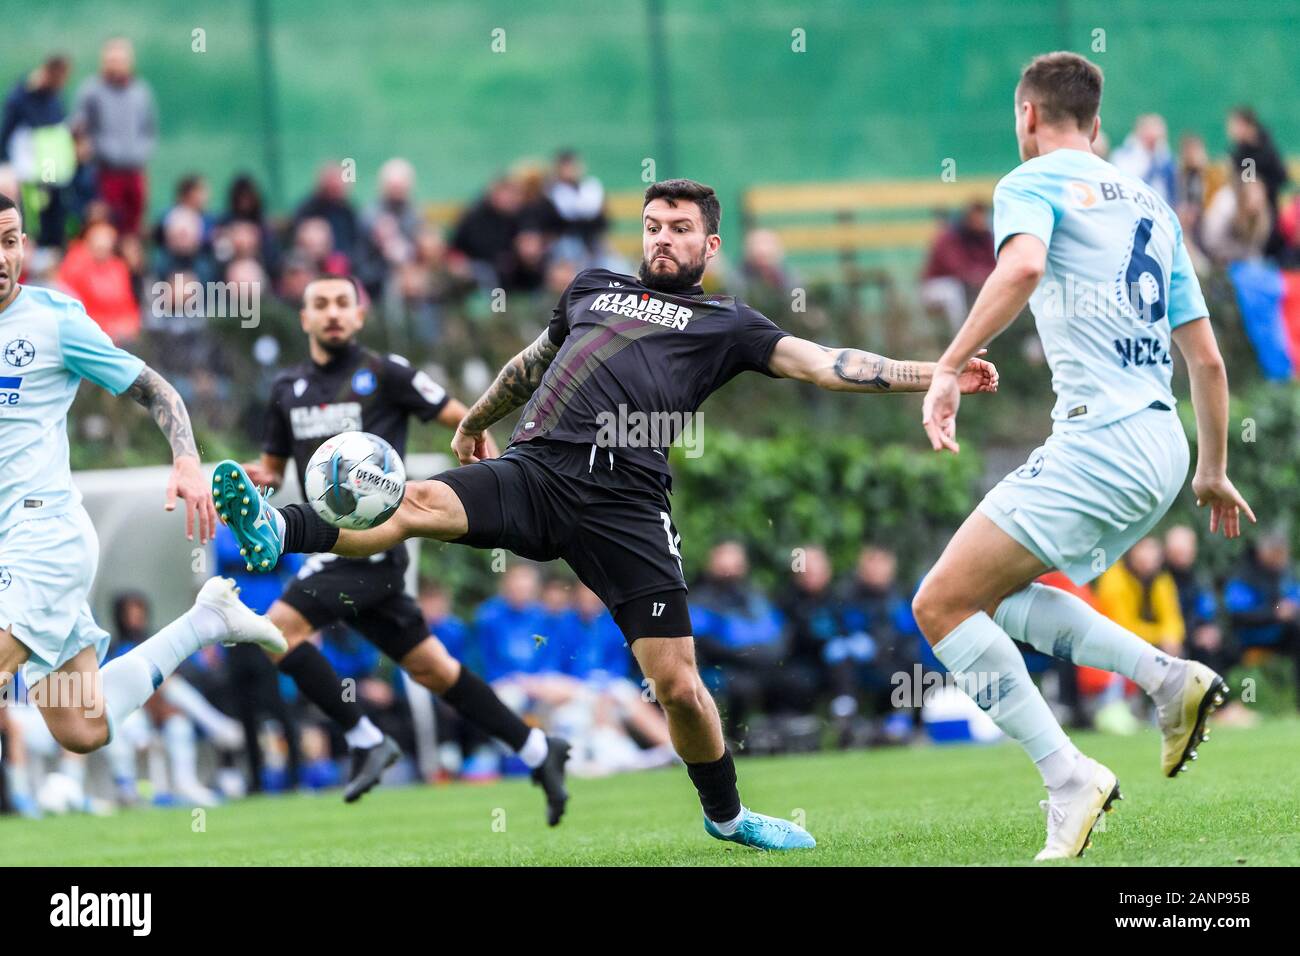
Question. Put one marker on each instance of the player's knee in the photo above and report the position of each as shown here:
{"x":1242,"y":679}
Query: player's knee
{"x":933,"y":610}
{"x":84,"y":737}
{"x":680,"y":691}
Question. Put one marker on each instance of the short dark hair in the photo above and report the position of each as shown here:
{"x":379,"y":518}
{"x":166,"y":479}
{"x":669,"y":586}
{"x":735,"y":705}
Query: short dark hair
{"x":327,"y":277}
{"x":1062,"y":86}
{"x":7,"y":203}
{"x":675,"y":190}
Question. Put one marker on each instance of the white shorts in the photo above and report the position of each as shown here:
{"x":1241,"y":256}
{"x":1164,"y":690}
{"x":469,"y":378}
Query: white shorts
{"x":47,"y":566}
{"x":1085,"y":497}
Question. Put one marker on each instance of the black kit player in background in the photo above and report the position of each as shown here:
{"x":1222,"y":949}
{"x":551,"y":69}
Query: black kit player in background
{"x":653,"y":346}
{"x":344,"y":387}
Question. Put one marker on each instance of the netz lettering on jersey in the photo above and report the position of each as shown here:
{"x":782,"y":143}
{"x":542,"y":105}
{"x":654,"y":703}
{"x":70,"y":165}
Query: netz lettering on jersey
{"x":324,"y":421}
{"x":1141,"y":351}
{"x":643,"y":307}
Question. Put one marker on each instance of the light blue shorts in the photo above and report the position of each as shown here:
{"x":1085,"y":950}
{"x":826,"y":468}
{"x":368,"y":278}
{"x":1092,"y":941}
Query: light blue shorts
{"x":1085,"y":497}
{"x":47,"y":566}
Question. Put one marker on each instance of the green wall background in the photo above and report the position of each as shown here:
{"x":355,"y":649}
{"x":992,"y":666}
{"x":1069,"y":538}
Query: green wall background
{"x":887,"y":88}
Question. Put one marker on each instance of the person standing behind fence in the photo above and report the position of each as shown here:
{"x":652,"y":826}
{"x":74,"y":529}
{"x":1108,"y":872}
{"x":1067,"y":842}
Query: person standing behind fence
{"x":116,"y":110}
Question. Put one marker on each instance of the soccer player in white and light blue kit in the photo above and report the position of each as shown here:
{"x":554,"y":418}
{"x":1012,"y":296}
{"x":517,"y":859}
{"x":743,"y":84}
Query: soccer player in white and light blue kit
{"x":48,"y":547}
{"x":1101,"y":262}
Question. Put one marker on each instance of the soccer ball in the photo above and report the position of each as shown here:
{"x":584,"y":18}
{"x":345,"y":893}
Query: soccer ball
{"x":355,"y":480}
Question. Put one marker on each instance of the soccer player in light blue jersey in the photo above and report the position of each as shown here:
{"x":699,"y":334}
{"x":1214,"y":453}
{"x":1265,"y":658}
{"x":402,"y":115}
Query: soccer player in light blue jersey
{"x":48,"y":547}
{"x":1100,"y":261}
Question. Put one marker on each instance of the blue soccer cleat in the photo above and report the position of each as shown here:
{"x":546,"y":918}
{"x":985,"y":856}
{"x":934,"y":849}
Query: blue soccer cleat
{"x":244,"y":510}
{"x":764,"y":833}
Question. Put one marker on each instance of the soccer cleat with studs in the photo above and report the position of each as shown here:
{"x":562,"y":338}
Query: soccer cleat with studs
{"x":243,"y":508}
{"x":1183,"y":717}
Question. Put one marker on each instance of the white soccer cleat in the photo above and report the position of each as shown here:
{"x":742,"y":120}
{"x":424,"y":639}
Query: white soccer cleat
{"x":1182,"y":718}
{"x":1071,"y":816}
{"x":243,"y":625}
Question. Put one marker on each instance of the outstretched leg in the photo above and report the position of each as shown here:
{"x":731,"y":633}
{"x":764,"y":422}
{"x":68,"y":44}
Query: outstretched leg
{"x":429,"y":509}
{"x":954,"y":609}
{"x":696,"y":731}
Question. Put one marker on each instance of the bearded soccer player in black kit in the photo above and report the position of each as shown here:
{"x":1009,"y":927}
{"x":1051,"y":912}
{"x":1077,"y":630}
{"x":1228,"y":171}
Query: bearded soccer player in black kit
{"x":344,"y":387}
{"x":620,"y":349}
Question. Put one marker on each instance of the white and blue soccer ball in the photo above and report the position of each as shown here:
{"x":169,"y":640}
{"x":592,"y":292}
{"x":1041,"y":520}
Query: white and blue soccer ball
{"x":355,"y":481}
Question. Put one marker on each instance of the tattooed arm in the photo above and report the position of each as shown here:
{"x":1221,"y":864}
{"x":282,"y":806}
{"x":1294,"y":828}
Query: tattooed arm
{"x":157,"y":395}
{"x":852,"y":370}
{"x":513,"y":387}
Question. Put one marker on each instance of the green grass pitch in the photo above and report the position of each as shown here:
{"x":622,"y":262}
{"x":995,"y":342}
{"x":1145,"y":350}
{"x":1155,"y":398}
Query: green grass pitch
{"x":1240,"y":804}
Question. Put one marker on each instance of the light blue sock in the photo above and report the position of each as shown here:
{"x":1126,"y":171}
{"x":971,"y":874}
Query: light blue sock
{"x":989,"y":669}
{"x":1063,"y":625}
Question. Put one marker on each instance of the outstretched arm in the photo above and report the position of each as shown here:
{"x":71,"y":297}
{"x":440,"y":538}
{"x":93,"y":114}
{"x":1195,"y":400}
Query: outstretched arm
{"x":1021,"y":263}
{"x":513,"y":387}
{"x":1209,"y":381}
{"x":157,"y":395}
{"x":853,"y":370}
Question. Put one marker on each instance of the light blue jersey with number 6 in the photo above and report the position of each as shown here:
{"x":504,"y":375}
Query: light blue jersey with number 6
{"x":48,"y":344}
{"x":1118,"y":281}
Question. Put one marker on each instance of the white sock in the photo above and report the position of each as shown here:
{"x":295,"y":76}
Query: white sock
{"x":1065,"y":626}
{"x":1060,"y":767}
{"x":364,"y":735}
{"x":131,"y":679}
{"x":182,"y":754}
{"x":989,"y":669}
{"x":728,"y":828}
{"x":533,"y":752}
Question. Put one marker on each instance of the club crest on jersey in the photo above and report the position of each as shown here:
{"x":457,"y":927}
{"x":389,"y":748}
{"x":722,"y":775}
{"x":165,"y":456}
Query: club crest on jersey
{"x":19,"y":353}
{"x":324,"y":421}
{"x":363,"y":381}
{"x":643,"y":307}
{"x":6,"y":579}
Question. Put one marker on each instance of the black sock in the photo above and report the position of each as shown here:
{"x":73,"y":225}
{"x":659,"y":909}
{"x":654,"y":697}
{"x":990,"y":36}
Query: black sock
{"x":716,"y":783}
{"x":306,"y":531}
{"x":476,"y":701}
{"x":320,"y":684}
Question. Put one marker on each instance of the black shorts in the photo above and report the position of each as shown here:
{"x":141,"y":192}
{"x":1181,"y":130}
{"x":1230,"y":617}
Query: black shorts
{"x":610,"y":522}
{"x":368,"y":596}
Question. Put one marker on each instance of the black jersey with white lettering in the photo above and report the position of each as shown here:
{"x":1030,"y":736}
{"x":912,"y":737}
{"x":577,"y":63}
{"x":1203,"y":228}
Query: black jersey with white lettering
{"x":358,"y":390}
{"x":635,"y":363}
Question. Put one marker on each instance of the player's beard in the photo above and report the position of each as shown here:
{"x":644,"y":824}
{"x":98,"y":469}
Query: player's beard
{"x":335,"y":349}
{"x":687,"y":276}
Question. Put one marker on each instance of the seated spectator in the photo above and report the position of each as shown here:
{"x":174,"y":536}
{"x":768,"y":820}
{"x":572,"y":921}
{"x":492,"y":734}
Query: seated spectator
{"x":878,"y":636}
{"x":388,"y":227}
{"x":599,"y":651}
{"x":1237,"y":223}
{"x":1145,"y":155}
{"x":579,"y":201}
{"x":763,"y":268}
{"x":739,"y":635}
{"x":1262,"y":598}
{"x":1197,"y":601}
{"x":812,"y":614}
{"x":486,"y":231}
{"x":330,"y":202}
{"x":960,"y":259}
{"x":1139,"y":595}
{"x":244,"y":206}
{"x":1255,"y":156}
{"x":192,"y":193}
{"x":313,"y":240}
{"x":508,"y":628}
{"x":182,"y":248}
{"x":94,"y":273}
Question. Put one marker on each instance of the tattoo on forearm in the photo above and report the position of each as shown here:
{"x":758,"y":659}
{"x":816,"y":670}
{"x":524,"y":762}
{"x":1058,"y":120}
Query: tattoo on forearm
{"x":157,"y":395}
{"x":874,"y":372}
{"x":513,"y":386}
